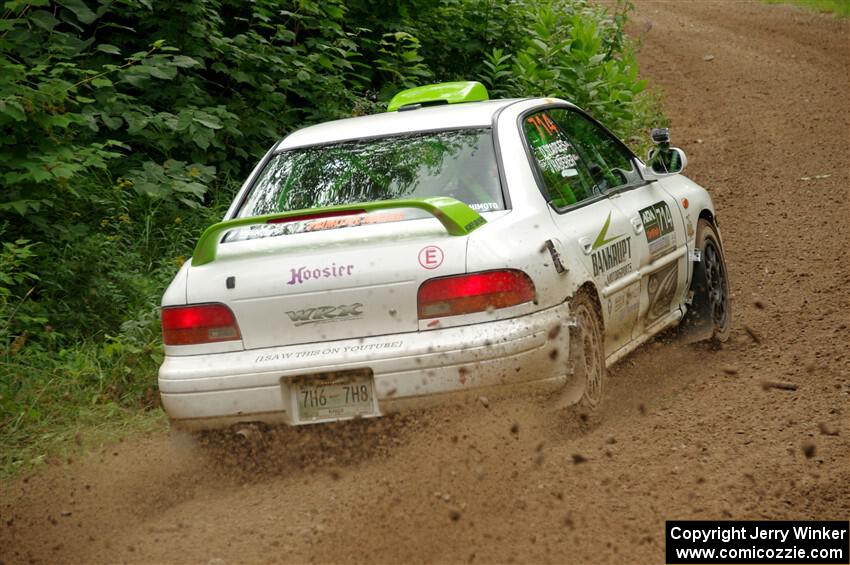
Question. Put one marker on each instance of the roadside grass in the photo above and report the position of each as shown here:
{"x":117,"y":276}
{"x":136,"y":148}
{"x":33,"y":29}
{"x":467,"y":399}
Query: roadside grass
{"x":61,"y":440}
{"x":838,"y":7}
{"x":54,"y":405}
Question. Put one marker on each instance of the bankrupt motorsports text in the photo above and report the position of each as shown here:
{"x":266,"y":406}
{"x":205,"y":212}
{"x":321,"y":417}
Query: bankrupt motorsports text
{"x":757,"y":542}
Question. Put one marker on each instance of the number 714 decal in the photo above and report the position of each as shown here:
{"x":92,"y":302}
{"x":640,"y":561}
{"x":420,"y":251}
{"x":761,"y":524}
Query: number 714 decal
{"x":658,"y":229}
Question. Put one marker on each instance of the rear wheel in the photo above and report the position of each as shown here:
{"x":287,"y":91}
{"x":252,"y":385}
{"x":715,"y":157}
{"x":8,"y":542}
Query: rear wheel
{"x":587,"y":348}
{"x":710,"y":305}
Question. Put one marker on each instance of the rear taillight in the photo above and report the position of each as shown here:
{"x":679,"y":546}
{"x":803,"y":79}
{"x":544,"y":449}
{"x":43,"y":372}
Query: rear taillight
{"x":198,"y":323}
{"x":465,"y":294}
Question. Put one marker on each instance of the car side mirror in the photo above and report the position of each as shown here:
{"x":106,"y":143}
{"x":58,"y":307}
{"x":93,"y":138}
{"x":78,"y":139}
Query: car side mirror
{"x":669,"y":161}
{"x":665,"y":159}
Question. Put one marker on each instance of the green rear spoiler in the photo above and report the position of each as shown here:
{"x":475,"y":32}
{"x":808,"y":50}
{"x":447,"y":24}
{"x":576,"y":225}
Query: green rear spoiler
{"x":445,"y":92}
{"x":456,"y":217}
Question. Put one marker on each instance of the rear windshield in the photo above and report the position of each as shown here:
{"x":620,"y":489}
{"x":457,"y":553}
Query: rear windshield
{"x":458,"y":163}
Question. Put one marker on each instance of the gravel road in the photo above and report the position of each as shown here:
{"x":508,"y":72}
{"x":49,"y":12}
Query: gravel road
{"x":758,"y":97}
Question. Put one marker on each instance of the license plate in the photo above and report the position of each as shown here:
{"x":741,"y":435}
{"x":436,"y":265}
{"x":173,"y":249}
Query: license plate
{"x":335,"y":396}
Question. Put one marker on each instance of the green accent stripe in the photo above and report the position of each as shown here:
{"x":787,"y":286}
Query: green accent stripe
{"x":600,"y":239}
{"x":456,"y":217}
{"x":450,"y":92}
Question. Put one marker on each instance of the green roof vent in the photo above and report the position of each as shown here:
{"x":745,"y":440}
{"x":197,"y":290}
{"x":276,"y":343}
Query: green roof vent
{"x":442,"y":93}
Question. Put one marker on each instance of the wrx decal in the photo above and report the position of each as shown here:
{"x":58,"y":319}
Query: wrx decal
{"x":326,"y":314}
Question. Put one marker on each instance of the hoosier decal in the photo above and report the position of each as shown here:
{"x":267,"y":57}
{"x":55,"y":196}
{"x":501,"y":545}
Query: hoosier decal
{"x":658,"y":229}
{"x":302,"y":274}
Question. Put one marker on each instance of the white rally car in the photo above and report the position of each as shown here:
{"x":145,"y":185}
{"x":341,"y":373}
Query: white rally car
{"x":451,"y":243}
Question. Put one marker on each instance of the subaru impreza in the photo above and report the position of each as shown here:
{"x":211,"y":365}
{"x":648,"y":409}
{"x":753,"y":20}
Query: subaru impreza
{"x":452,"y":243}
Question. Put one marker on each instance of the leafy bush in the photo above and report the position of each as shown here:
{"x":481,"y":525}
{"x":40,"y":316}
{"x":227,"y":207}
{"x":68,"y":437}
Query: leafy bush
{"x":126,"y":127}
{"x":118,"y":121}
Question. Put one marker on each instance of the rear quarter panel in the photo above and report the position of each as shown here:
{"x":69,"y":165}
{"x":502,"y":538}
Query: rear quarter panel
{"x":518,"y":240}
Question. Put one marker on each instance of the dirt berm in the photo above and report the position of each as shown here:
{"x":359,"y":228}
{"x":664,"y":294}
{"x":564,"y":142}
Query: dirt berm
{"x":758,"y":97}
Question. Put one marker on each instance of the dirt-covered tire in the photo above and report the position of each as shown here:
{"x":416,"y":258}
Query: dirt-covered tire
{"x":587,"y":348}
{"x":710,"y":285}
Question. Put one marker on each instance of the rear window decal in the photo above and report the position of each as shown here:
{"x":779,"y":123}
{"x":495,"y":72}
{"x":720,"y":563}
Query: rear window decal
{"x":353,"y":221}
{"x":485,"y":206}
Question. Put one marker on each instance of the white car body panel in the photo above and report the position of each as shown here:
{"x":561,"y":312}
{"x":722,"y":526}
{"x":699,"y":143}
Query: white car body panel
{"x":364,"y":265}
{"x":450,"y":116}
{"x":256,"y":383}
{"x":379,"y":267}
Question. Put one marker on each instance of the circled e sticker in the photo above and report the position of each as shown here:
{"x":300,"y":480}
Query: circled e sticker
{"x":431,"y":257}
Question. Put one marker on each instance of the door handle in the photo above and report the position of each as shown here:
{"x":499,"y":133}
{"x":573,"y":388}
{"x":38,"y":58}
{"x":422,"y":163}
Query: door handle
{"x":637,"y":224}
{"x":586,"y":244}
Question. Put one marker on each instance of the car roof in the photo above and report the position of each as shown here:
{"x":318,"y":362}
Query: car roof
{"x":429,"y":118}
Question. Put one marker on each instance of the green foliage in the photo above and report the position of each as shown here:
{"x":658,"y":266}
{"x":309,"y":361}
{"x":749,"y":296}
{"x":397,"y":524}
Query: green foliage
{"x":118,"y":119}
{"x":126,"y":127}
{"x":14,"y":273}
{"x":564,"y":48}
{"x":91,"y":388}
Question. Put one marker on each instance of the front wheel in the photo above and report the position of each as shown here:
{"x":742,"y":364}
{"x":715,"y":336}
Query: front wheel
{"x":710,"y":306}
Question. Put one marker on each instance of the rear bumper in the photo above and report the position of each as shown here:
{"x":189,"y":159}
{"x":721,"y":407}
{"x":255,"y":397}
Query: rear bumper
{"x":213,"y":390}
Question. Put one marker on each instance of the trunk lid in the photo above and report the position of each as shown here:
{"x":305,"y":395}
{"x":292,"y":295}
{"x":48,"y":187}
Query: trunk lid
{"x":328,"y":285}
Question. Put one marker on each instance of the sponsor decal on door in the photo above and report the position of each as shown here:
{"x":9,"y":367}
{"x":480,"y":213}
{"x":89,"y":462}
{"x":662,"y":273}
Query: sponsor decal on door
{"x":611,"y":256}
{"x":661,"y":289}
{"x":658,"y":229}
{"x":624,"y":304}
